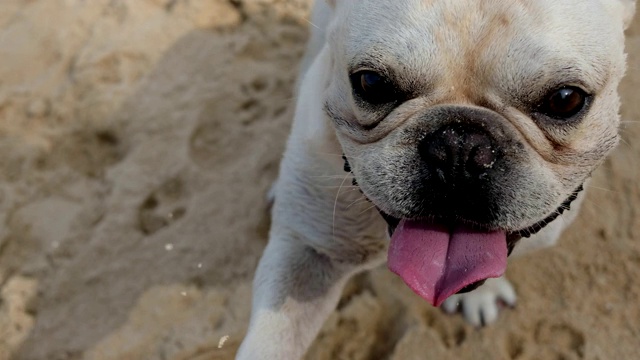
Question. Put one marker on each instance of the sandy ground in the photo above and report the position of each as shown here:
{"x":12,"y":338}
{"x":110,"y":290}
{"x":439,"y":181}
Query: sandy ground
{"x":137,"y":140}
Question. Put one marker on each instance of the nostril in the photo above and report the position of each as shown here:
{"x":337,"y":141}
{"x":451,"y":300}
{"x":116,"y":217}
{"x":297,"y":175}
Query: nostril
{"x":482,"y":155}
{"x":440,"y":151}
{"x":435,"y":151}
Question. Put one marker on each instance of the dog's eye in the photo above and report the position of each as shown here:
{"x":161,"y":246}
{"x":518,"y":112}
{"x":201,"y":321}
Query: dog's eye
{"x":564,"y":103}
{"x":373,"y":87}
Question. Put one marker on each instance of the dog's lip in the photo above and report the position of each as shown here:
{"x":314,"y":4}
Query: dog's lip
{"x":512,"y":236}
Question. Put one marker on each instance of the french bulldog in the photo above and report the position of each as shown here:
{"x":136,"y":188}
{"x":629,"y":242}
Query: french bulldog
{"x":440,"y":137}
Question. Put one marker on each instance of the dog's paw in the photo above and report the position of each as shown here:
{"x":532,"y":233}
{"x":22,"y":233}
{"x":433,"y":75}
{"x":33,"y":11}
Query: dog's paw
{"x":481,"y":306}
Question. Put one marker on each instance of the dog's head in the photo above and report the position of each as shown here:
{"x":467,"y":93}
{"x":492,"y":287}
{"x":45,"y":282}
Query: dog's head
{"x":471,"y":120}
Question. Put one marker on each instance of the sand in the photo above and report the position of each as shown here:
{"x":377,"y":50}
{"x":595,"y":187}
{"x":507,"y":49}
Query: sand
{"x":137,"y":141}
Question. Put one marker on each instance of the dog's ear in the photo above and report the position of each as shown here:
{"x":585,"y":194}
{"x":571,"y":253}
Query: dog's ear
{"x":623,"y":9}
{"x":629,"y":9}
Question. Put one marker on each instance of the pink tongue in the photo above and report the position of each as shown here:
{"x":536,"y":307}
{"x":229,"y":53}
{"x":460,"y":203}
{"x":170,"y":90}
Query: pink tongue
{"x":436,"y":262}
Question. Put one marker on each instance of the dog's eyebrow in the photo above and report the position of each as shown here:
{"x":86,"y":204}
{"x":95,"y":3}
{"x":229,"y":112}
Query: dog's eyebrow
{"x":537,"y":83}
{"x":570,"y":74}
{"x":378,"y":57}
{"x":357,"y":64}
{"x":591,"y":78}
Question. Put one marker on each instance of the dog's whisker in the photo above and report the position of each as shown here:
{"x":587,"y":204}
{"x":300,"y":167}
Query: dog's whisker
{"x":350,"y":187}
{"x":601,"y":188}
{"x":335,"y":205}
{"x":329,"y":176}
{"x":310,"y":23}
{"x":367,"y":209}
{"x":329,"y":185}
{"x":622,"y":140}
{"x":358,"y":201}
{"x":627,"y":131}
{"x":333,"y":154}
{"x":353,"y":188}
{"x":594,"y":205}
{"x":561,"y":216}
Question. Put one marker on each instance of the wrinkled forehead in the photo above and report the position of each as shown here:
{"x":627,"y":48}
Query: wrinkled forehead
{"x":426,"y":36}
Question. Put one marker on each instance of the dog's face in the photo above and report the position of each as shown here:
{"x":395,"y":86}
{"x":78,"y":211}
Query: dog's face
{"x":470,"y":124}
{"x":485,"y":112}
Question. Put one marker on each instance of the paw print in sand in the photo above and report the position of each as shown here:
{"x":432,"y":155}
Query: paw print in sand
{"x":162,"y":207}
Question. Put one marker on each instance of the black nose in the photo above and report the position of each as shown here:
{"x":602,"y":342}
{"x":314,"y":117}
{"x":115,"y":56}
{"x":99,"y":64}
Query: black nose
{"x":458,"y":151}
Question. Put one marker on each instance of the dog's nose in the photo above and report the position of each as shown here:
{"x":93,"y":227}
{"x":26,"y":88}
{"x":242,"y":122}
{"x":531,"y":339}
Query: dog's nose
{"x":458,"y":150}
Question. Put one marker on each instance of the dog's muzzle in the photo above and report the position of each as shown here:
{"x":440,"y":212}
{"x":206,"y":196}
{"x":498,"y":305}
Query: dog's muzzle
{"x":478,"y":146}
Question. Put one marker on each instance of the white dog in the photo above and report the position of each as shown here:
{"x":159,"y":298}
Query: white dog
{"x":467,"y":125}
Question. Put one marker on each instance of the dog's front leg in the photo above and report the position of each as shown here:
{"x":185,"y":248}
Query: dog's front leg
{"x":318,"y":240}
{"x":295,"y":289}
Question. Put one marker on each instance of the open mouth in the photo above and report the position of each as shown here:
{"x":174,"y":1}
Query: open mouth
{"x":437,"y":259}
{"x":512,"y":236}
